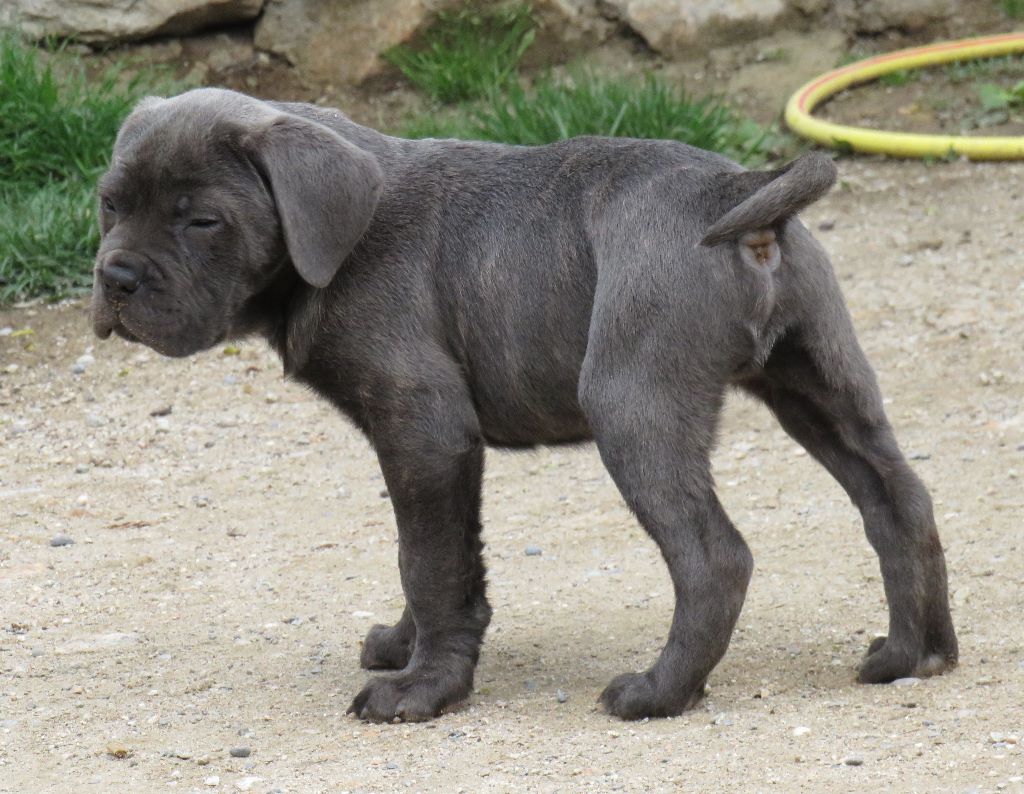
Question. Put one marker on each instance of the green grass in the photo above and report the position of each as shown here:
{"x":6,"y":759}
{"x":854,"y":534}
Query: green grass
{"x":898,"y":78}
{"x":56,"y":131}
{"x":984,"y":68}
{"x":467,"y":54}
{"x":48,"y":236}
{"x":555,"y":109}
{"x":469,"y":64}
{"x":1014,"y":9}
{"x":994,"y":97}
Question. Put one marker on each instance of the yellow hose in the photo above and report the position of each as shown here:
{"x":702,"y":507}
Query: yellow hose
{"x":903,"y":144}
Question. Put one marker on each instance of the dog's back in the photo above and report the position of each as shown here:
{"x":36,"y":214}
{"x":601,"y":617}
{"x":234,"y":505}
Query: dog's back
{"x":509,"y":246}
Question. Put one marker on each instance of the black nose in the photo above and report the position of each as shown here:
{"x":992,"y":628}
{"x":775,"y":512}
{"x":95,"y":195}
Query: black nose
{"x":120,"y":277}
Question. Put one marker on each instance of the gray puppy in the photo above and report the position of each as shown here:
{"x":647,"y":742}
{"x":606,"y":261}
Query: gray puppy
{"x":448,"y":295}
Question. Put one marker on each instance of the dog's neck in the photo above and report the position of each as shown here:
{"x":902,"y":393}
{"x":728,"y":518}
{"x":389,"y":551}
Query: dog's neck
{"x":273,"y":309}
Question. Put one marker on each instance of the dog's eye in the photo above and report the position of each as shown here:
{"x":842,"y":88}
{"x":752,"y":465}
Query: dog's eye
{"x":108,"y":206}
{"x":203,"y":223}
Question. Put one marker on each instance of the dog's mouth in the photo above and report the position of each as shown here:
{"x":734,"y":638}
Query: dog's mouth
{"x":104,"y":317}
{"x":124,"y":333}
{"x":112,"y":319}
{"x":107,"y":319}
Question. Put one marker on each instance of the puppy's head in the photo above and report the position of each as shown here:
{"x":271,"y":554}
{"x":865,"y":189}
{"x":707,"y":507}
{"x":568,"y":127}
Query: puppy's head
{"x":210,"y":197}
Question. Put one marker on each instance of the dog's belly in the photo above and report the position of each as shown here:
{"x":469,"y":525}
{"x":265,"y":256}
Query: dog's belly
{"x":521,"y":361}
{"x":524,"y":412}
{"x":518,"y":319}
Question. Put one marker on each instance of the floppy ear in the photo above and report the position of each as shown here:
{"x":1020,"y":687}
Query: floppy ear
{"x":326,"y":190}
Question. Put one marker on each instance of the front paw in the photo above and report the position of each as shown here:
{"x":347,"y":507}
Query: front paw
{"x":634,"y":696}
{"x":386,"y":648}
{"x":412,"y":696}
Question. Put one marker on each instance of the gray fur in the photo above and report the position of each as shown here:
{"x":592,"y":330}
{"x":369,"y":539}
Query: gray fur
{"x":448,"y":295}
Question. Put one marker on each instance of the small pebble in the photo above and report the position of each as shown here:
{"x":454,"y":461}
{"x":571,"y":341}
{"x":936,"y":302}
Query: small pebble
{"x":909,"y":681}
{"x":118,"y":750}
{"x":61,"y":540}
{"x":82,"y":363}
{"x":212,"y":780}
{"x":391,"y":765}
{"x":827,"y":226}
{"x":384,"y":494}
{"x":239,"y":752}
{"x":801,"y":730}
{"x":560,"y":696}
{"x":533,"y":551}
{"x":853,"y":760}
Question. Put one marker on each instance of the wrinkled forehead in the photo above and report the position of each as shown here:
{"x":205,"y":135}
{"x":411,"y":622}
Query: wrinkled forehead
{"x":182,"y":141}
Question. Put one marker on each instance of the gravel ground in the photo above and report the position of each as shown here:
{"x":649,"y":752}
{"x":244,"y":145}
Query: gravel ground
{"x":192,"y":550}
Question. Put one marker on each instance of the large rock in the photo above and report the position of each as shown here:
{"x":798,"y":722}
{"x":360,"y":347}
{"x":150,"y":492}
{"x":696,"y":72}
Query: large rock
{"x":341,"y":42}
{"x":910,"y":16}
{"x":565,"y":28}
{"x":677,"y":27}
{"x":101,"y":21}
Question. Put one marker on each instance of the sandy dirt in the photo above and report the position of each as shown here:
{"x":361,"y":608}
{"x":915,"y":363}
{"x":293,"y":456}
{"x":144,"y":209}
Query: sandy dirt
{"x":231,"y":546}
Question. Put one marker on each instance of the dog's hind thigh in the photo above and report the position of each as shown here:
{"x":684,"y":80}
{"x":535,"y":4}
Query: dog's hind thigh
{"x":824,"y":393}
{"x":655,"y":439}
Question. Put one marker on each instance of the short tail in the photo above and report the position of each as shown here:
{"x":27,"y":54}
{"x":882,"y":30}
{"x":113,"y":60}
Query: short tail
{"x":754,"y":200}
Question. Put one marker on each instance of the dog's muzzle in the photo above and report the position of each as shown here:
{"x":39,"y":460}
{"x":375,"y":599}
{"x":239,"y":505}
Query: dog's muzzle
{"x":121,"y":274}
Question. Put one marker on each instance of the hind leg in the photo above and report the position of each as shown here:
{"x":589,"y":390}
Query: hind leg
{"x":655,"y":442}
{"x":840,"y":421}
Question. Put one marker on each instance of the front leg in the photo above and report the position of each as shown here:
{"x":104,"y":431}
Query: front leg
{"x":432,"y":459}
{"x":389,"y":647}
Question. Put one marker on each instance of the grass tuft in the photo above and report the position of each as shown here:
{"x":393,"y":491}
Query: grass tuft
{"x":48,"y":237}
{"x":589,"y":105}
{"x":467,"y":54}
{"x":1014,"y":9}
{"x":56,"y":131}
